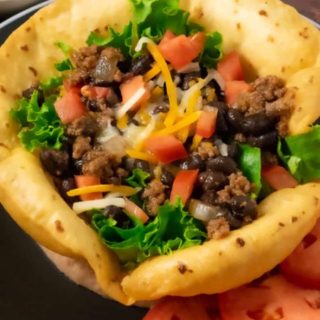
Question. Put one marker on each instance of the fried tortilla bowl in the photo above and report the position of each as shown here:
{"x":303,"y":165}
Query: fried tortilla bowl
{"x":272,"y":38}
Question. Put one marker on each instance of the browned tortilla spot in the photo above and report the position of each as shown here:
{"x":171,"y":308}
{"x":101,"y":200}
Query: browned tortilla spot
{"x":28,"y":29}
{"x":316,"y":201}
{"x":3,"y":145}
{"x":311,"y":79}
{"x":59,"y":226}
{"x":263,"y":13}
{"x":294,"y":219}
{"x":281,"y":224}
{"x":33,"y":70}
{"x":3,"y":89}
{"x":24,"y":47}
{"x":270,"y":39}
{"x":240,"y":242}
{"x":182,"y":268}
{"x":304,"y":33}
{"x":238,"y":25}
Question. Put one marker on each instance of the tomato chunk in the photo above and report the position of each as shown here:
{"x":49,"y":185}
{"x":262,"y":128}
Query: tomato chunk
{"x":302,"y":267}
{"x":230,"y":67}
{"x":200,"y":307}
{"x":136,"y":211}
{"x":183,"y":185}
{"x":206,"y":125}
{"x":130,"y":87}
{"x":181,"y":50}
{"x":278,"y":177}
{"x":70,"y":107}
{"x":273,"y":299}
{"x":86,"y":181}
{"x":95,"y":93}
{"x":233,"y":89}
{"x":166,"y":148}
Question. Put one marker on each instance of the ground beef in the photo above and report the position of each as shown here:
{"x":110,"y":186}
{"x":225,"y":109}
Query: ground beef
{"x":98,"y":163}
{"x":80,"y":146}
{"x":103,"y":118}
{"x":56,"y":162}
{"x":85,"y":125}
{"x":207,"y":150}
{"x":238,"y":185}
{"x":154,"y":195}
{"x":218,"y":228}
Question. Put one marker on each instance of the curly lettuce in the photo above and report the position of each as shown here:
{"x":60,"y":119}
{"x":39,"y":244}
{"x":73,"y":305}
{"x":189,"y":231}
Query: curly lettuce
{"x":172,"y":229}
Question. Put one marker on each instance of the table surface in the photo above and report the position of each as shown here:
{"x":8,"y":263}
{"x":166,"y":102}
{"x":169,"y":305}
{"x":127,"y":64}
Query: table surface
{"x":309,"y":8}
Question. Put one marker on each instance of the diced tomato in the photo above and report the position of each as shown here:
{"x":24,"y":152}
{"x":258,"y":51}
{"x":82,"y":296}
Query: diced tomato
{"x":206,"y":125}
{"x":136,"y":211}
{"x":181,"y":50}
{"x":166,"y":148}
{"x":230,"y":67}
{"x":278,"y":177}
{"x":201,"y":307}
{"x":70,"y":107}
{"x":86,"y":181}
{"x":302,"y":267}
{"x":273,"y":299}
{"x":183,"y":185}
{"x":233,"y":89}
{"x":95,"y":93}
{"x":130,"y":87}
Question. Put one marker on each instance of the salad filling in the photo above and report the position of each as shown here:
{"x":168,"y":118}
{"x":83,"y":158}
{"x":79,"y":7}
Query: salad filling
{"x":155,"y":138}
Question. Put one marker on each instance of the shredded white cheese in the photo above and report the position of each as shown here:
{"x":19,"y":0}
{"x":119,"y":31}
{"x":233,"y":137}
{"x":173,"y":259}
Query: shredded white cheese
{"x":82,"y":206}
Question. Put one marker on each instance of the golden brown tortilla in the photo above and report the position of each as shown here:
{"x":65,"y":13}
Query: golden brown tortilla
{"x":272,"y":39}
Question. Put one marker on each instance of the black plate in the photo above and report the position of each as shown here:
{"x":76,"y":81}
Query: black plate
{"x":31,"y":288}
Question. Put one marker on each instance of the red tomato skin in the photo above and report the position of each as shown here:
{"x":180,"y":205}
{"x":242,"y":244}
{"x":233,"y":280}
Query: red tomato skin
{"x":183,"y":185}
{"x":206,"y":125}
{"x":233,"y":89}
{"x":278,"y":177}
{"x":136,"y":211}
{"x":230,"y":67}
{"x":181,"y":50}
{"x":95,"y":93}
{"x":302,"y":267}
{"x":166,"y":148}
{"x":86,"y":181}
{"x":70,"y":107}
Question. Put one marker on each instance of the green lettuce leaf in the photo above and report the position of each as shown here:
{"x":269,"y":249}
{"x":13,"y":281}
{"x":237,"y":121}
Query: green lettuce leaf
{"x":51,"y":85}
{"x":300,"y":154}
{"x":65,"y":64}
{"x":41,"y":126}
{"x":212,"y":52}
{"x":172,"y":229}
{"x":138,"y":178}
{"x":250,"y":164}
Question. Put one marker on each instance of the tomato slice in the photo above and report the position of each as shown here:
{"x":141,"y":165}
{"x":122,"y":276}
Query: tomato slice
{"x":183,"y":185}
{"x":166,"y":148}
{"x":70,"y":107}
{"x":302,"y":267}
{"x":130,"y":87}
{"x":278,"y":177}
{"x":136,"y":211}
{"x":273,"y":299}
{"x":206,"y":125}
{"x":86,"y":181}
{"x":181,"y":50}
{"x":233,"y":89}
{"x":201,"y":307}
{"x":230,"y":67}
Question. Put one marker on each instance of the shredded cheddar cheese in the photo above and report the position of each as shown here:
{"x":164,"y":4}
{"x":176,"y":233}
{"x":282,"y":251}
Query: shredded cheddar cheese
{"x":155,"y":70}
{"x":196,"y":141}
{"x":141,"y":155}
{"x":171,"y":88}
{"x":122,"y":122}
{"x":123,"y":190}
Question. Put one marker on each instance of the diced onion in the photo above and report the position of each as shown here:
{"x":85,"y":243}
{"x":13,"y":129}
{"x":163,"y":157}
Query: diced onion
{"x":82,"y":206}
{"x":107,"y":133}
{"x":202,"y":211}
{"x":217,"y":77}
{"x":191,"y":67}
{"x":222,"y":147}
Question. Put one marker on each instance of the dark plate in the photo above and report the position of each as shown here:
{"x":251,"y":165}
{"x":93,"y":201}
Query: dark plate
{"x":31,"y":288}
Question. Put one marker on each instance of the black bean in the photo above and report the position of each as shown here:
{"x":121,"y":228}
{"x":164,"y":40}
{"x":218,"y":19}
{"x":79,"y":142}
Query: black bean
{"x":222,"y":123}
{"x":166,"y":177}
{"x":225,"y":164}
{"x":143,"y":165}
{"x":212,"y":180}
{"x":233,"y":149}
{"x":161,"y":108}
{"x":265,"y":141}
{"x":194,"y":161}
{"x":64,"y":185}
{"x":243,"y":206}
{"x":114,"y":180}
{"x":219,"y":92}
{"x":235,"y":119}
{"x":129,"y":164}
{"x":187,"y":78}
{"x":316,"y":122}
{"x":141,"y":65}
{"x":209,"y":197}
{"x":117,"y":214}
{"x":256,"y":124}
{"x":233,"y":221}
{"x":56,"y":162}
{"x":78,"y":166}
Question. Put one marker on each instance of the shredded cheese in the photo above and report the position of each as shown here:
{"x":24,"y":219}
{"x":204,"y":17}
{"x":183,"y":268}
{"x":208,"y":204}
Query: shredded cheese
{"x":82,"y":206}
{"x":171,"y":88}
{"x":185,"y":122}
{"x":123,"y":190}
{"x":155,"y":70}
{"x":122,"y":122}
{"x":141,"y":155}
{"x":196,"y":141}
